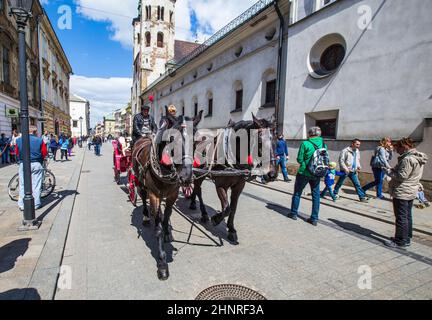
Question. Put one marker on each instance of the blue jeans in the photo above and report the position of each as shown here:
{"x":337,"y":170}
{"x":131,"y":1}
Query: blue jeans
{"x":355,"y":180}
{"x":282,"y":162}
{"x":378,"y":183}
{"x":5,"y":156}
{"x":328,"y":189}
{"x":37,"y":171}
{"x":97,"y":148}
{"x":300,"y":184}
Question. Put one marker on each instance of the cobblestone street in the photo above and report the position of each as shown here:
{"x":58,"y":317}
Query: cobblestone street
{"x":110,"y":255}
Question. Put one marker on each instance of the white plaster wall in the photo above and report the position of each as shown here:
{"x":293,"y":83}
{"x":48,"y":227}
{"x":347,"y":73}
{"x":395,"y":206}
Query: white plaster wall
{"x":258,"y":56}
{"x":77,"y":110}
{"x":383,"y":88}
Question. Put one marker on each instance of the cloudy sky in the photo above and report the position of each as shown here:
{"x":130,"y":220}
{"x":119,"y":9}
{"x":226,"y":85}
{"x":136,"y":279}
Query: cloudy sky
{"x":99,"y":42}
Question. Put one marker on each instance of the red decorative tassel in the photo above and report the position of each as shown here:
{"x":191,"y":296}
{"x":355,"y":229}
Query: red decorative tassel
{"x":250,"y":160}
{"x":197,"y":163}
{"x":166,"y":159}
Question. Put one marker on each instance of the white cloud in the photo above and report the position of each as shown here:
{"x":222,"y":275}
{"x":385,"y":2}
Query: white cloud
{"x":212,"y":15}
{"x":105,"y":94}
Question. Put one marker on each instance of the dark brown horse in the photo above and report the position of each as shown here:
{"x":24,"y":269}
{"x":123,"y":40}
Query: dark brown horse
{"x":161,"y":182}
{"x":235,"y":183}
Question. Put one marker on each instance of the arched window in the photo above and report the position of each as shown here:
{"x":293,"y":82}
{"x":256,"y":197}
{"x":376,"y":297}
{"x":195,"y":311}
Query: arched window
{"x":148,"y":12}
{"x":171,"y":16}
{"x":182,"y":106}
{"x":195,"y":104}
{"x":238,"y":88}
{"x":159,"y":13}
{"x":210,"y":104}
{"x":160,"y":40}
{"x":163,"y":14}
{"x":148,"y":39}
{"x":268,"y":88}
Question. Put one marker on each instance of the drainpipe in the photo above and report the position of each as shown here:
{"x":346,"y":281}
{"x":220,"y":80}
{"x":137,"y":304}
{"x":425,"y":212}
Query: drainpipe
{"x":281,"y":69}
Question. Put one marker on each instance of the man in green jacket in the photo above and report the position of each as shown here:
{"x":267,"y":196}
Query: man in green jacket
{"x":304,"y":177}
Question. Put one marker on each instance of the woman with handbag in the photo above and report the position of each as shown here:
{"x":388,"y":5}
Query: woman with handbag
{"x":379,"y":162}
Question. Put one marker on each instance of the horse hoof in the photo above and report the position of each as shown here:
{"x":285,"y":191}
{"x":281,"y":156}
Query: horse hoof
{"x":168,"y":238}
{"x":163,"y":274}
{"x":217,"y":219}
{"x":193,"y":206}
{"x":232,"y":236}
{"x":205,"y":218}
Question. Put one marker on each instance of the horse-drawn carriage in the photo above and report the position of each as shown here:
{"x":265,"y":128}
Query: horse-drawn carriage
{"x":123,"y":164}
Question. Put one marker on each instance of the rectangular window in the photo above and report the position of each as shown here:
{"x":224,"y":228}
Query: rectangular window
{"x":6,"y":66}
{"x":75,"y":124}
{"x":196,"y":109}
{"x":210,"y":107}
{"x":270,"y":92}
{"x":239,"y":100}
{"x":328,"y":128}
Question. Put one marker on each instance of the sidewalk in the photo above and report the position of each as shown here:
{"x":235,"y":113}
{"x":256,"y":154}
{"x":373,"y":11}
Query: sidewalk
{"x":28,"y":260}
{"x":381,"y":210}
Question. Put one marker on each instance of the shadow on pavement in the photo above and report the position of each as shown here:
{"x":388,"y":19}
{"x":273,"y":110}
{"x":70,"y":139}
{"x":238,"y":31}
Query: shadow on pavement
{"x":10,"y":252}
{"x":20,"y":294}
{"x":220,"y":231}
{"x":54,"y":200}
{"x":149,"y":236}
{"x":360,"y":230}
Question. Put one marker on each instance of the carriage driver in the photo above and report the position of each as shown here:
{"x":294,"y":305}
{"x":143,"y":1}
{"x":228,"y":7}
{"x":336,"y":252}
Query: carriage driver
{"x":143,"y":125}
{"x":166,"y":122}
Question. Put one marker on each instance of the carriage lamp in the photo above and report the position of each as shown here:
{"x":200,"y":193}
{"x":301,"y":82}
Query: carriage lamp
{"x":21,"y":10}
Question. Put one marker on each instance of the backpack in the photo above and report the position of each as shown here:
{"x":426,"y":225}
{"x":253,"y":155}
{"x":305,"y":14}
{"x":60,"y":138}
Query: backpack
{"x":319,"y":163}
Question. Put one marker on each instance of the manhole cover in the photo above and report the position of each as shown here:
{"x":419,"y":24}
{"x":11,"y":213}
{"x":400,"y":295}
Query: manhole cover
{"x":229,"y":292}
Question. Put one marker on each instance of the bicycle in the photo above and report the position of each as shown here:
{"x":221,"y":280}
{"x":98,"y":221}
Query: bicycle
{"x":48,"y":184}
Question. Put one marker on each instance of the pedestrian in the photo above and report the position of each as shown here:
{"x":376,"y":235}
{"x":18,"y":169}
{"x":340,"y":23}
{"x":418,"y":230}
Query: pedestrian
{"x":89,"y":143}
{"x":46,"y":138}
{"x":282,"y":156}
{"x":38,"y":152}
{"x":64,"y":144}
{"x":349,"y":162}
{"x":330,"y":180}
{"x":307,"y":154}
{"x":97,"y":141}
{"x":4,"y":148}
{"x":70,"y":146}
{"x":380,"y":161}
{"x":424,"y":203}
{"x":54,"y":145}
{"x":404,"y":185}
{"x":13,"y":153}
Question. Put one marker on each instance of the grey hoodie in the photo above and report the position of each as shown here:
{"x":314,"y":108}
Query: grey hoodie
{"x":407,"y":174}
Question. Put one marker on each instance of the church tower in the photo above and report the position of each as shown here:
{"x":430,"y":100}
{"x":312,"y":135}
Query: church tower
{"x":154,"y":32}
{"x":157,"y":38}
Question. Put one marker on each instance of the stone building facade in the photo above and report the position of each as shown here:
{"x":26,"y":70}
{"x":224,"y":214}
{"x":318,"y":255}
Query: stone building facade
{"x":9,"y":70}
{"x":56,"y":71}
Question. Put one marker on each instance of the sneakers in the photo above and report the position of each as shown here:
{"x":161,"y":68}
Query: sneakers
{"x":394,"y":245}
{"x":365,"y":200}
{"x":337,"y":197}
{"x":292,"y":216}
{"x":312,"y":222}
{"x":407,"y":244}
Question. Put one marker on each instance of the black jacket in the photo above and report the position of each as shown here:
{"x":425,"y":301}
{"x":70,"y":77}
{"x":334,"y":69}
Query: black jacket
{"x":142,"y":126}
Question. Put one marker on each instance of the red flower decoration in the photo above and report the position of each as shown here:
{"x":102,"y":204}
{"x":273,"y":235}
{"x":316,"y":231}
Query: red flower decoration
{"x":151,"y":98}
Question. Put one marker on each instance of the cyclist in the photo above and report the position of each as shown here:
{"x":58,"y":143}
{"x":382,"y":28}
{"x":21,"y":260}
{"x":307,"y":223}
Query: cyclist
{"x":38,"y":153}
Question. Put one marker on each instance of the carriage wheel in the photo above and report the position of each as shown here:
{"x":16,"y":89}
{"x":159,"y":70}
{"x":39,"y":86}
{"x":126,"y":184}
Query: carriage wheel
{"x":132,"y":188}
{"x":187,"y":191}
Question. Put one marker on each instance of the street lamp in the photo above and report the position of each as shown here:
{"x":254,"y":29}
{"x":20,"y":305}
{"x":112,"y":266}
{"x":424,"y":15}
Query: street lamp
{"x":81,"y":122}
{"x":21,"y":9}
